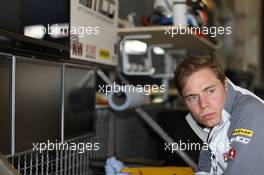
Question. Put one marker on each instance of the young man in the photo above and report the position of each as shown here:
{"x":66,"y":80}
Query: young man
{"x":229,"y":119}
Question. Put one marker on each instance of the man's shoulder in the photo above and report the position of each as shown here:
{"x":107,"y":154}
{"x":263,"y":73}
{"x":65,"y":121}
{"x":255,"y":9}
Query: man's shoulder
{"x":243,"y":101}
{"x":248,"y":103}
{"x":247,"y":106}
{"x":247,"y":114}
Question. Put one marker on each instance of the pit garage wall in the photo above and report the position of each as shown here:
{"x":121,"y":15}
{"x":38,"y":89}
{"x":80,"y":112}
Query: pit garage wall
{"x":241,"y":51}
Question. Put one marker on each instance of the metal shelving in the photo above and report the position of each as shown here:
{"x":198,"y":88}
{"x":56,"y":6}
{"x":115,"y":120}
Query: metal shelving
{"x":159,"y":35}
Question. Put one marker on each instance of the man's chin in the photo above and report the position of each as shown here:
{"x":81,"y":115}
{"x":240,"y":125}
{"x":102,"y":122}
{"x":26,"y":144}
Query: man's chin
{"x":211,"y":124}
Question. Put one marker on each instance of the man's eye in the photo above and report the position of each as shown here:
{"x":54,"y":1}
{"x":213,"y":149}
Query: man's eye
{"x":210,"y":91}
{"x":192,"y":99}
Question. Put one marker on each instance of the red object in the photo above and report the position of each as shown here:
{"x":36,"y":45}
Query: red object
{"x":225,"y":156}
{"x":145,"y":21}
{"x":232,"y":154}
{"x":204,"y":17}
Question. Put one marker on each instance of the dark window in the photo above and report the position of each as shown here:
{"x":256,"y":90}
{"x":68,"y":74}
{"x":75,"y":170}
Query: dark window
{"x":79,"y":100}
{"x":5,"y":105}
{"x":38,"y":103}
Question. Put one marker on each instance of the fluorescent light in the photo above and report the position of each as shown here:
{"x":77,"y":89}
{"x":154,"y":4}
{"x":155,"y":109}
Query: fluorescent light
{"x":158,"y":51}
{"x":135,"y":47}
{"x":35,"y":31}
{"x":59,"y":30}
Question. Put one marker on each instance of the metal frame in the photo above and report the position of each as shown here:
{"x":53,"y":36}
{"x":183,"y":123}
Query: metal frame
{"x":66,"y":162}
{"x":13,"y":106}
{"x":61,"y":162}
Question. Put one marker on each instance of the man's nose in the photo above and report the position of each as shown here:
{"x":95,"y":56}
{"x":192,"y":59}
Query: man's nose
{"x":203,"y":101}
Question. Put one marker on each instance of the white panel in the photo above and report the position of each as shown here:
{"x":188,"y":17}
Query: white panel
{"x":94,"y":30}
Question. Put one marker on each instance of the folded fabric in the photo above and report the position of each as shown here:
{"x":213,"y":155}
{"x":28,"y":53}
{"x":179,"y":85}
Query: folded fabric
{"x":114,"y":167}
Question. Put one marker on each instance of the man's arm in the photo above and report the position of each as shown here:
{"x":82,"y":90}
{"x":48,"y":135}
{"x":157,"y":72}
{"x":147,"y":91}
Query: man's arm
{"x":246,"y":155}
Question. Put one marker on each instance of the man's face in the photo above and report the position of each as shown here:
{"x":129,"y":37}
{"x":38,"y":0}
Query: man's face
{"x":204,"y":96}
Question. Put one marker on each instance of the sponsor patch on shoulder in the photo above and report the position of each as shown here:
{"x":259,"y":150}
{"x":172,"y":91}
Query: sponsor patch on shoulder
{"x":240,"y":139}
{"x":244,"y":132}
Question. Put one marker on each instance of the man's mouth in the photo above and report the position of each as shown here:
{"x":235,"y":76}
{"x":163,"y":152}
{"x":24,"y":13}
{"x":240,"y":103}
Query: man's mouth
{"x":208,"y":116}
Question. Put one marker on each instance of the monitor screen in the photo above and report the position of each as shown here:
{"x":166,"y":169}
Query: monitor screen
{"x":79,"y":100}
{"x":38,"y":103}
